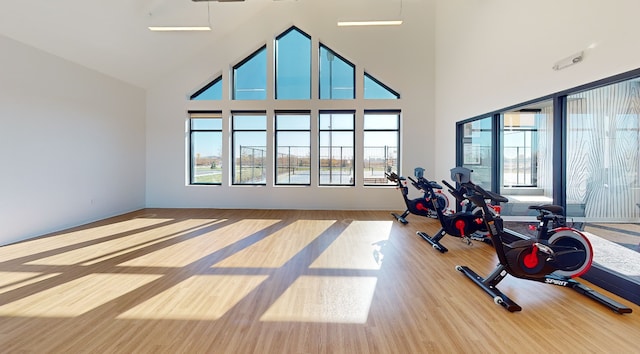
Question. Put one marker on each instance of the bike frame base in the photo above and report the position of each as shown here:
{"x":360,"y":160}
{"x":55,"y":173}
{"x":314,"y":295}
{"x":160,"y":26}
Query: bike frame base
{"x":489,"y":283}
{"x":435,"y":240}
{"x":486,"y":285}
{"x":401,"y":218}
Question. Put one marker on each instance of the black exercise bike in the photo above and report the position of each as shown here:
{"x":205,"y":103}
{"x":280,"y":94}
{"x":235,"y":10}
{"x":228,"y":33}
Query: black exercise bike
{"x":466,"y":224}
{"x":555,"y":256}
{"x":421,"y":206}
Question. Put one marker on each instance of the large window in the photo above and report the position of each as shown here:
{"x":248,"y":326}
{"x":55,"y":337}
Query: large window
{"x":381,"y":144}
{"x":579,"y":149}
{"x":249,"y":148}
{"x":265,"y":134}
{"x":293,"y":65}
{"x":293,"y":148}
{"x":206,"y":148}
{"x":336,"y":148}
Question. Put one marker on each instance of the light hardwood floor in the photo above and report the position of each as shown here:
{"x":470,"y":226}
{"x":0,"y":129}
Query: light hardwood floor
{"x":265,"y":281}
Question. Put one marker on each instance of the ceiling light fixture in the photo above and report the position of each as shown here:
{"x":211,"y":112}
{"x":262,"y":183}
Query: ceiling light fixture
{"x":374,"y":22}
{"x":184,"y":28}
{"x":369,"y":23}
{"x":178,"y":28}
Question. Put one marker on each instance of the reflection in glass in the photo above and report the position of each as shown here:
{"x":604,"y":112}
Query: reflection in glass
{"x":476,"y":150}
{"x":527,"y":157}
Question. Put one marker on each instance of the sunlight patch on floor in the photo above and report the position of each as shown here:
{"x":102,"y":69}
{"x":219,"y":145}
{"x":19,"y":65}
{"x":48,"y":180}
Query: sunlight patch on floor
{"x":188,"y":251}
{"x":15,"y":280}
{"x":76,"y":297}
{"x":358,"y":247}
{"x":324,"y":299}
{"x":44,"y":244}
{"x":203,"y":297}
{"x":276,"y":249}
{"x":102,"y":251}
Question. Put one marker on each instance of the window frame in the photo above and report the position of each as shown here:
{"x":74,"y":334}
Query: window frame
{"x":398,"y":145}
{"x":276,"y":57}
{"x":218,"y":80}
{"x":277,"y":146}
{"x":353,"y":76}
{"x":203,"y":115}
{"x":234,"y":114}
{"x":353,"y":146}
{"x":237,"y":66}
{"x":379,"y":83}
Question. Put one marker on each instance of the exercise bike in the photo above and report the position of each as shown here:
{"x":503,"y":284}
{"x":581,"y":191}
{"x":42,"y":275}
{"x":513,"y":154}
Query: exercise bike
{"x":555,"y":256}
{"x":421,"y":206}
{"x":465,"y":224}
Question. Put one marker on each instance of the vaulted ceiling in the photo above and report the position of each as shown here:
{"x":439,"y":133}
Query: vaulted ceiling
{"x":112,"y":36}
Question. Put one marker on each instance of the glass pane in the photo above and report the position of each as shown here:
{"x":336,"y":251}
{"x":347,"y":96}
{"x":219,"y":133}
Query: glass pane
{"x":293,"y":122}
{"x":476,"y":150}
{"x":250,"y":77}
{"x":380,"y":156}
{"x":250,"y":153}
{"x":603,"y":153}
{"x":212,"y":91}
{"x":336,"y":121}
{"x":206,"y":124}
{"x":249,"y":122}
{"x":603,"y":172}
{"x":336,"y":158}
{"x":527,"y":158}
{"x":293,"y":66}
{"x":337,"y":76}
{"x":293,"y":160}
{"x":380,"y":121}
{"x":373,"y":89}
{"x":206,"y":157}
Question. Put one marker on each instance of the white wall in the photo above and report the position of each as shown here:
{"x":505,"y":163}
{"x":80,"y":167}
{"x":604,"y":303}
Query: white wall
{"x":71,"y":144}
{"x":491,"y":54}
{"x":402,"y":57}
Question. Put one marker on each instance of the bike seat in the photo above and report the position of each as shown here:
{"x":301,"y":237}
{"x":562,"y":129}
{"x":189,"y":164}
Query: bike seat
{"x":434,"y":185}
{"x":554,"y":209}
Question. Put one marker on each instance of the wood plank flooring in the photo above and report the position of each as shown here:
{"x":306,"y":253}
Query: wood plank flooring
{"x":280,"y":281}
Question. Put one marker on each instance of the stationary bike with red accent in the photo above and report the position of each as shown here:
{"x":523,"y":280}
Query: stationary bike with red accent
{"x":421,"y":206}
{"x":466,"y":224}
{"x":555,"y":257}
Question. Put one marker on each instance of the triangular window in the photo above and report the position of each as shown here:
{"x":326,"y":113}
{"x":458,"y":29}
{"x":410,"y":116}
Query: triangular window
{"x":211,"y":91}
{"x":374,"y":89}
